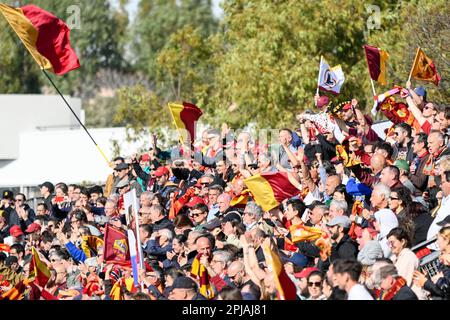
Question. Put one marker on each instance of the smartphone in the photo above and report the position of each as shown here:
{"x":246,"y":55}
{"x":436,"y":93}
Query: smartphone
{"x":59,"y":199}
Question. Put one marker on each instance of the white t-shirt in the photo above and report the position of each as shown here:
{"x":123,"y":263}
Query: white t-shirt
{"x":359,"y":292}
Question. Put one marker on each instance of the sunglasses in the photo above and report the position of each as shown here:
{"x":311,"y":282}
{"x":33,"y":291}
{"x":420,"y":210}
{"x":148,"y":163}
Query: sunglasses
{"x":314,"y":284}
{"x":393,"y":198}
{"x":195,"y":215}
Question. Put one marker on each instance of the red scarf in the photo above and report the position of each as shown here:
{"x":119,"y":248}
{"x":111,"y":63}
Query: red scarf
{"x":398,"y":284}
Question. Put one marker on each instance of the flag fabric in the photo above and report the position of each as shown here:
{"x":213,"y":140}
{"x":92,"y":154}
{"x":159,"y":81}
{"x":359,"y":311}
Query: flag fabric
{"x":120,"y":286}
{"x":330,"y":79}
{"x":185,"y":115}
{"x":4,"y":247}
{"x":45,"y":36}
{"x":199,"y":272}
{"x":376,"y":61}
{"x":303,"y":233}
{"x":270,"y":189}
{"x":91,"y":245}
{"x":241,"y":200}
{"x":116,"y":248}
{"x":38,"y":269}
{"x":424,"y":68}
{"x":286,"y":289}
{"x":16,"y":292}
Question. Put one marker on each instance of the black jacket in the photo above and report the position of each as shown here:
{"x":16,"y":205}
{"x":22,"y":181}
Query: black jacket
{"x":164,"y":223}
{"x":405,"y":293}
{"x":345,"y":249}
{"x":441,"y":289}
{"x":421,"y":225}
{"x":14,"y":218}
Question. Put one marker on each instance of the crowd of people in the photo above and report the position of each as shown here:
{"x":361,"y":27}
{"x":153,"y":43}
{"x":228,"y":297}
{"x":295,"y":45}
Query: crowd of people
{"x":382,"y":207}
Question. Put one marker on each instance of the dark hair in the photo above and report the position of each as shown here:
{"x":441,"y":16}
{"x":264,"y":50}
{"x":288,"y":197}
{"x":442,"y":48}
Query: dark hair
{"x":352,"y":267}
{"x":230,"y":293}
{"x":343,"y":189}
{"x":297,"y":205}
{"x":181,"y":221}
{"x":46,"y":237}
{"x":446,"y":112}
{"x":140,"y":296}
{"x":405,"y":127}
{"x":386,"y":147}
{"x":173,"y":273}
{"x":287,"y":129}
{"x":19,"y":248}
{"x":43,"y":204}
{"x":404,"y":195}
{"x":415,"y":209}
{"x":96,"y":189}
{"x":201,"y":206}
{"x":181,"y":238}
{"x":23,"y":196}
{"x":121,"y":159}
{"x":147,"y":228}
{"x":316,"y":273}
{"x":102,"y":200}
{"x":395,"y":171}
{"x":422,"y":137}
{"x":63,"y":187}
{"x":79,"y":215}
{"x":85,"y":191}
{"x":400,"y":234}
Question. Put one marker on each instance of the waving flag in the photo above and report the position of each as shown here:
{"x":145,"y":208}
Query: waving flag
{"x":185,"y":115}
{"x":38,"y":269}
{"x":424,"y":68}
{"x":116,"y":248}
{"x":270,"y":189}
{"x":286,"y":289}
{"x":330,"y":79}
{"x":376,"y":61}
{"x":46,"y":37}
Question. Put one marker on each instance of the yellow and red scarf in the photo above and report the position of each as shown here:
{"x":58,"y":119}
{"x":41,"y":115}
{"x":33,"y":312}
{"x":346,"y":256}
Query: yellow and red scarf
{"x":199,"y":271}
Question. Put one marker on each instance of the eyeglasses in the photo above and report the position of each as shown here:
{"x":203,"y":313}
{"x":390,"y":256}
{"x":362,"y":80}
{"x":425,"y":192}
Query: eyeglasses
{"x":393,"y":198}
{"x":314,"y":284}
{"x":195,"y":215}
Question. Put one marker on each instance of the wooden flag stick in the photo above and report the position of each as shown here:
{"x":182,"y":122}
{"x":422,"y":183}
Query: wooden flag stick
{"x":78,"y":119}
{"x":373,"y":88}
{"x":414,"y":63}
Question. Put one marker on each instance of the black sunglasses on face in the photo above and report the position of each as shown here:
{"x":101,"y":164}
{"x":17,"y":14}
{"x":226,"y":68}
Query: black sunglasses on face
{"x":314,"y":284}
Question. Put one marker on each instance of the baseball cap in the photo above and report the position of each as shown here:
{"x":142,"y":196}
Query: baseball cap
{"x":184,"y":283}
{"x":342,"y":221}
{"x":233,"y":215}
{"x":7,"y":194}
{"x":297,"y":259}
{"x":444,"y":222}
{"x":161,"y":171}
{"x":347,"y":106}
{"x":194,"y":201}
{"x":33,"y":227}
{"x":305,"y":272}
{"x":420,"y":91}
{"x":121,"y":166}
{"x":402,"y":164}
{"x":145,"y":157}
{"x":213,"y":224}
{"x":15,"y":231}
{"x":49,"y":186}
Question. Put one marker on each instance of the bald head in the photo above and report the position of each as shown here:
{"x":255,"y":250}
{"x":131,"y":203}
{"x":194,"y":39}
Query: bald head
{"x":377,"y":162}
{"x":331,"y":184}
{"x":204,"y":246}
{"x":235,"y":267}
{"x":224,"y":202}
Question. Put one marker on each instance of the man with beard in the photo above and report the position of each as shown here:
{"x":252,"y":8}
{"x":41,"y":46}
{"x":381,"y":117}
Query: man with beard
{"x":240,"y":278}
{"x":343,"y":246}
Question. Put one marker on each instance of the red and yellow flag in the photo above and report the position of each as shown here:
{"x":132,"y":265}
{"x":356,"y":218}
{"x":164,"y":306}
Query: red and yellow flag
{"x":376,"y":61}
{"x":4,"y":247}
{"x":46,"y":37}
{"x":270,"y":189}
{"x":38,"y":269}
{"x":199,"y":272}
{"x":424,"y":68}
{"x":286,"y":289}
{"x":185,"y":115}
{"x":301,"y":232}
{"x":91,"y":244}
{"x":116,"y":248}
{"x":15,"y":293}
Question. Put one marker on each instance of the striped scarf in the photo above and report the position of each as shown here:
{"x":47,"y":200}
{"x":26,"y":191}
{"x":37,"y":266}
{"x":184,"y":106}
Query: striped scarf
{"x":398,"y":284}
{"x":199,"y":271}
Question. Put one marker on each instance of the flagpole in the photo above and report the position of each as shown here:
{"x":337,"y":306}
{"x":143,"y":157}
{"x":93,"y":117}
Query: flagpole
{"x":373,"y":88}
{"x":318,"y":80}
{"x":175,"y":123}
{"x":78,"y":119}
{"x":414,"y":63}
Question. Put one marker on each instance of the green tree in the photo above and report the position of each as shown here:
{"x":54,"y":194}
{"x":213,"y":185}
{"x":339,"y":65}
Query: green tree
{"x":157,"y":20}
